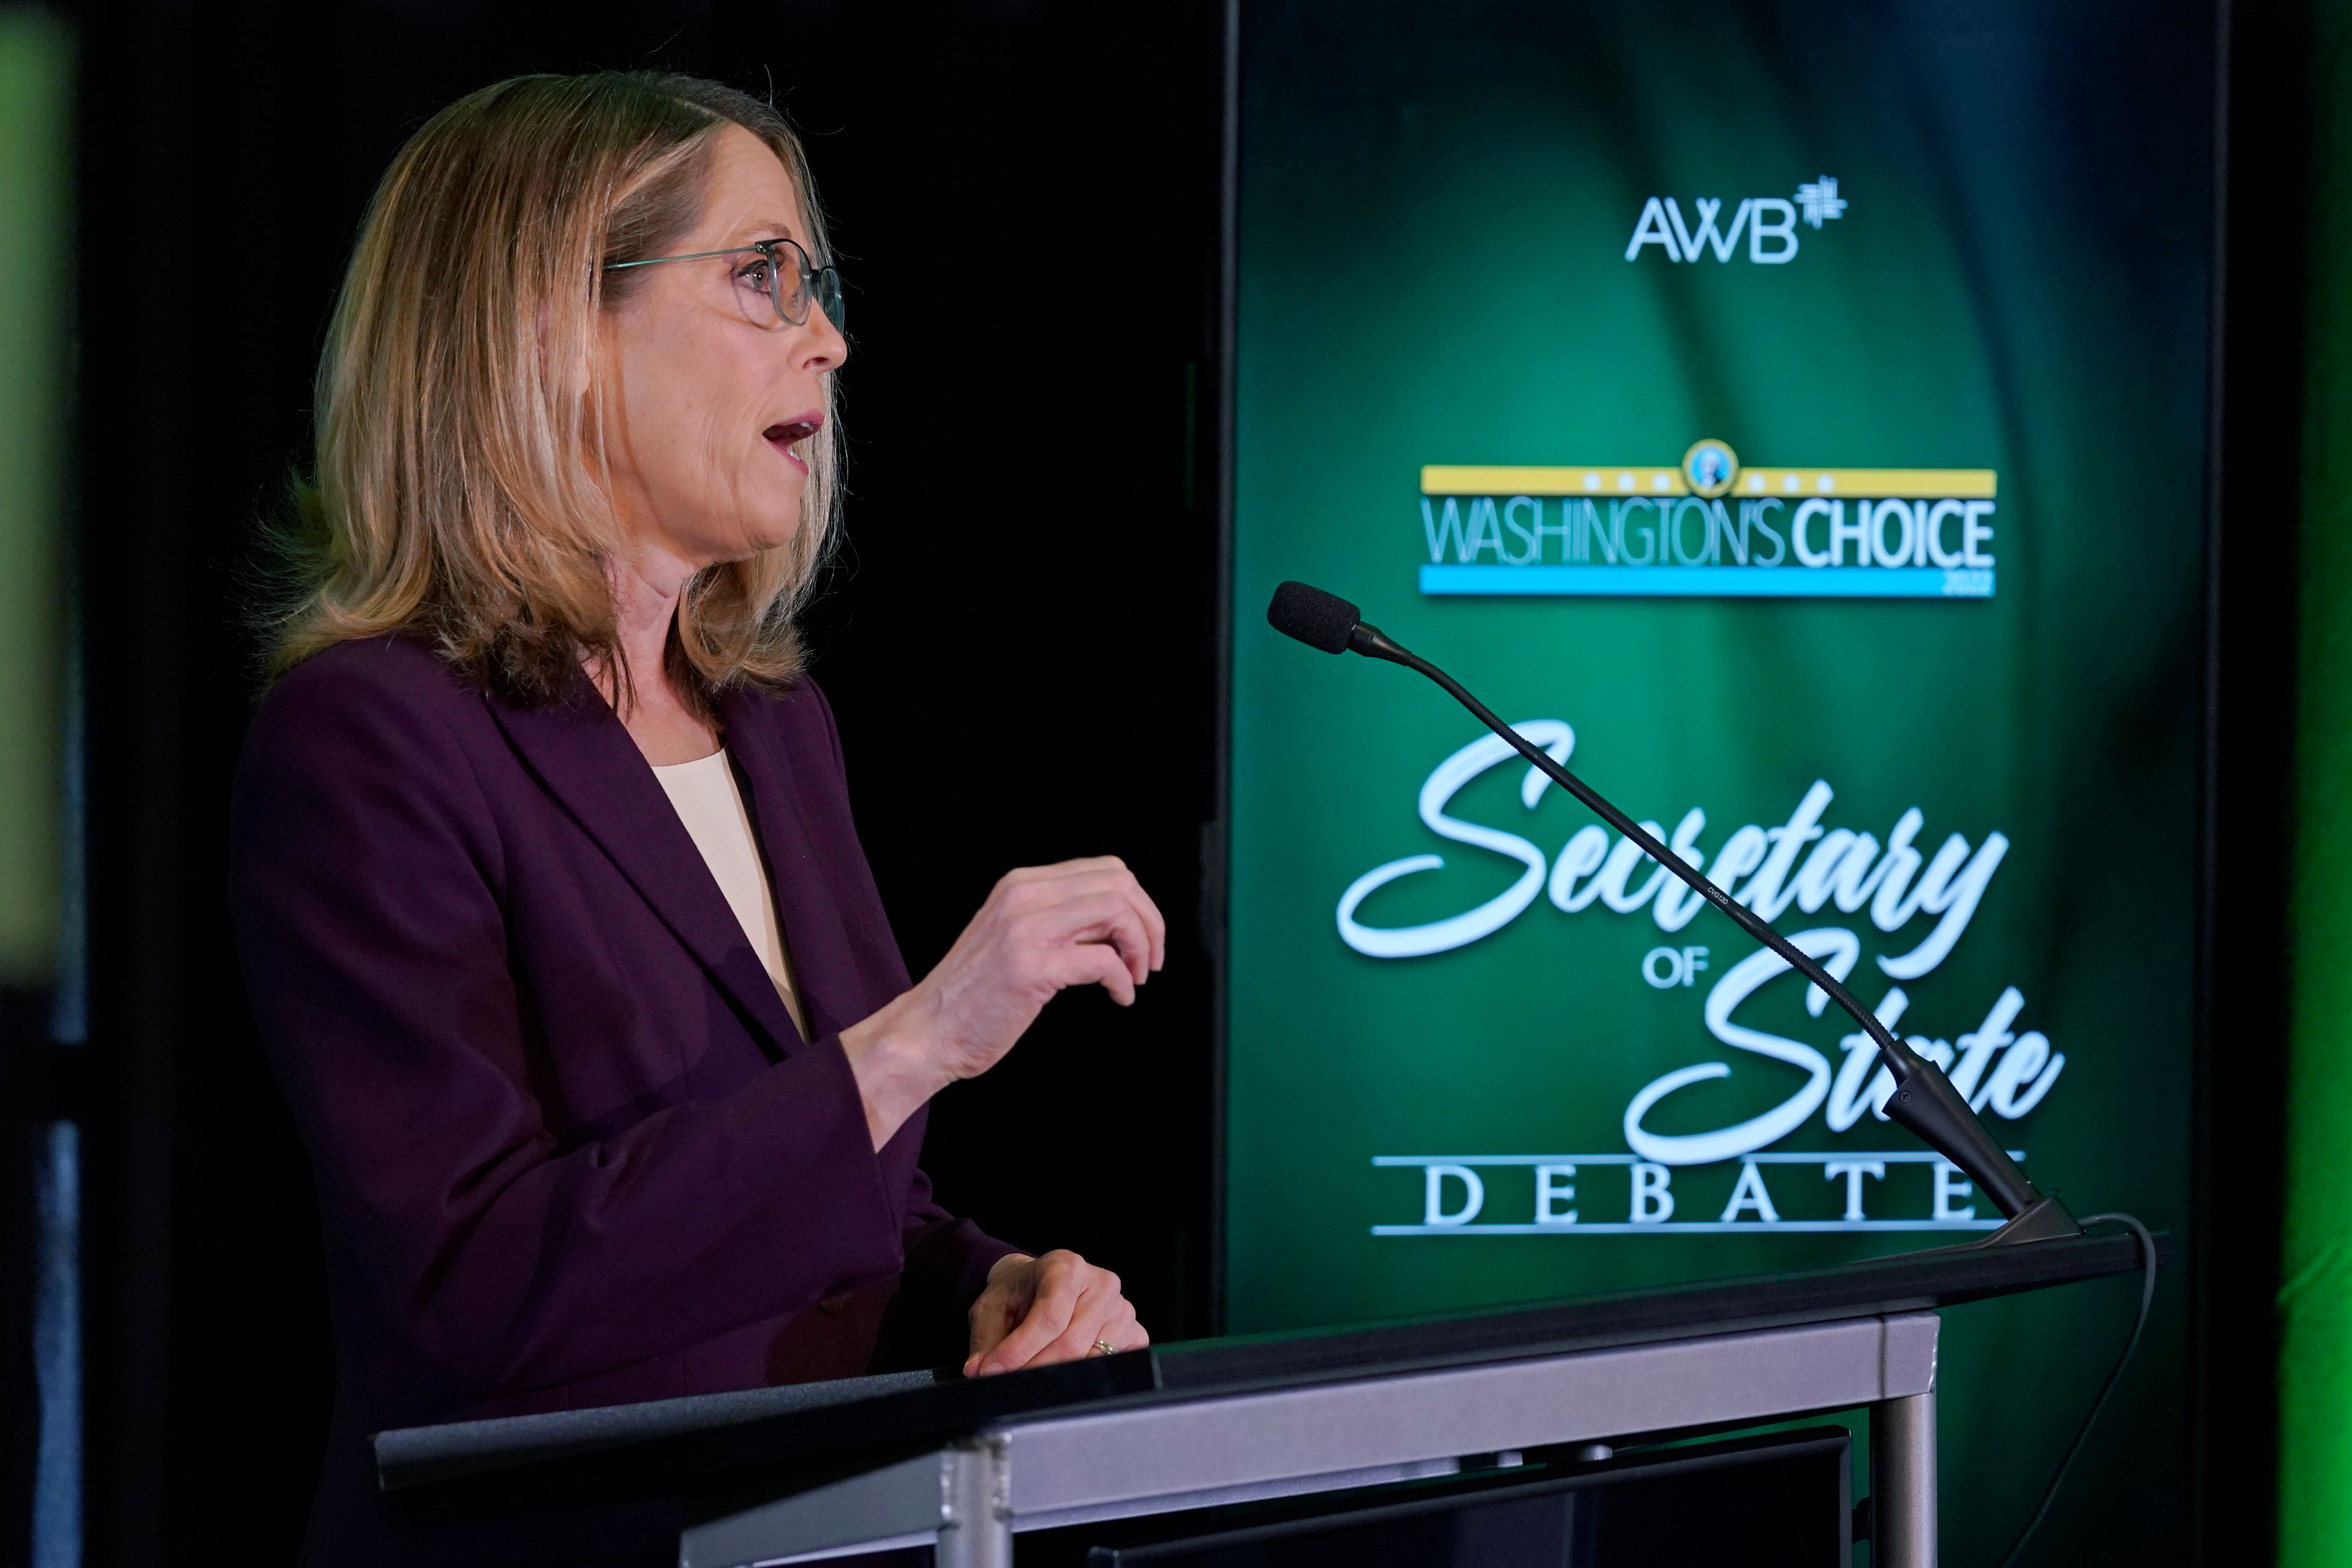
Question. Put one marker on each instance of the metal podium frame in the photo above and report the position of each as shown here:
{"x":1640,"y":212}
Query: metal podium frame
{"x":801,"y":1473}
{"x":969,"y":1498}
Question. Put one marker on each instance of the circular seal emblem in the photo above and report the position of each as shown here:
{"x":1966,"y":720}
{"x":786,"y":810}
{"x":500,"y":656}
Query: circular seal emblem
{"x":1709,"y":466}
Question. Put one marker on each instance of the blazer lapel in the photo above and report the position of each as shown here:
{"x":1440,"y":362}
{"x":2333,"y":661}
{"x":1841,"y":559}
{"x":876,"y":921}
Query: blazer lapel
{"x":823,"y":960}
{"x":580,"y":751}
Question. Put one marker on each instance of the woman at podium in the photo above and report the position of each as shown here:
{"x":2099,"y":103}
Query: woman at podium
{"x":547,"y":891}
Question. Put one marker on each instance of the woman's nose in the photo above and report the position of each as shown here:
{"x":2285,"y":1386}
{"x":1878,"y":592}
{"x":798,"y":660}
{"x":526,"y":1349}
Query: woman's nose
{"x":822,"y":347}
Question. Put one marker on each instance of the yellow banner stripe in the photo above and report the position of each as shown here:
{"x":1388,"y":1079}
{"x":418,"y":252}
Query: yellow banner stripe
{"x":1468,"y":479}
{"x":1451,"y":479}
{"x":1966,"y":484}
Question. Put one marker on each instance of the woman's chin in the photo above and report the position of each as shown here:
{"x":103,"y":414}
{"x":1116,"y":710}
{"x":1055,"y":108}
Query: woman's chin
{"x":759,"y":540}
{"x":773,"y":525}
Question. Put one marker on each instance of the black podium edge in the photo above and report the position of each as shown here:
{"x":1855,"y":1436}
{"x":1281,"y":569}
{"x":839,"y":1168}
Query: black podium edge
{"x":1902,"y":1282}
{"x":776,"y":1454}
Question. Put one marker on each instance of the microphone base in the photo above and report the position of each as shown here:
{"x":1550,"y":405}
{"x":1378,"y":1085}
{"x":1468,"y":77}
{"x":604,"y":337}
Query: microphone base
{"x":2045,"y":1219}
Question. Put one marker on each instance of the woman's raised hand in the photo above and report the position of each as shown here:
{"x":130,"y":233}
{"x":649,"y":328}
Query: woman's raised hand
{"x":1081,"y":923}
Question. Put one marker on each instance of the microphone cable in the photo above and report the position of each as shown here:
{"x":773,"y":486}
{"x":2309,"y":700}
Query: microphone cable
{"x":2147,"y":1299}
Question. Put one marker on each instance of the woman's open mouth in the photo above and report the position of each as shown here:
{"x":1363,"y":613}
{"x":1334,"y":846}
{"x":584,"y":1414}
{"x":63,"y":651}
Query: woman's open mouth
{"x":789,"y":437}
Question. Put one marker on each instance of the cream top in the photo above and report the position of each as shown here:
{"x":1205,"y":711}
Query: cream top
{"x":710,"y":804}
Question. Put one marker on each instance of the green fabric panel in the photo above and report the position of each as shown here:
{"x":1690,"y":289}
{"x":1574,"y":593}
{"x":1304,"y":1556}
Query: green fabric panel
{"x":36,"y":143}
{"x":2315,"y":1301}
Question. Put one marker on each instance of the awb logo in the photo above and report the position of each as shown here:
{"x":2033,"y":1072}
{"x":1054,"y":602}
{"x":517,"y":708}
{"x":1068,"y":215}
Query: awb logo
{"x":1769,"y":223}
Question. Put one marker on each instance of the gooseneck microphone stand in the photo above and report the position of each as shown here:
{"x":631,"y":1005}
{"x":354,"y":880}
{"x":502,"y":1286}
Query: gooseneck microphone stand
{"x":1924,"y":1099}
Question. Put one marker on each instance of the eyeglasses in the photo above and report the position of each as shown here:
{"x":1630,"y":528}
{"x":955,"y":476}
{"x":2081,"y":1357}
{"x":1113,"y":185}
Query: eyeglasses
{"x":790,"y":282}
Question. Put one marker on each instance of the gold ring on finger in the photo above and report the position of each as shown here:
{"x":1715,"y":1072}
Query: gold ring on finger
{"x":1102,"y":1347}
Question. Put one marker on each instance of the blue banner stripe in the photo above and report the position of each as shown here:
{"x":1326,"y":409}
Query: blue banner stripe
{"x":1712,"y":582}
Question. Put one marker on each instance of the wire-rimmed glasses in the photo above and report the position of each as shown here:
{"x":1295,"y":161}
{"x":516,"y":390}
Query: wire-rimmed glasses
{"x":790,"y":282}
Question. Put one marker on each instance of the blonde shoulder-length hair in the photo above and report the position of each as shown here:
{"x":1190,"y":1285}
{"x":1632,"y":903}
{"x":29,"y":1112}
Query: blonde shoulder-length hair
{"x":458,"y":492}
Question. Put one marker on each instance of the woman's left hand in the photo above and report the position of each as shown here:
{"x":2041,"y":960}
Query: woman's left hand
{"x":1038,"y":1311}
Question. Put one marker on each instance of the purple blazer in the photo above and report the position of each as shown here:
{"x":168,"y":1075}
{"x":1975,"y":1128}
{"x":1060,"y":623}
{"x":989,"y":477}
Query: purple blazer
{"x":570,"y":1148}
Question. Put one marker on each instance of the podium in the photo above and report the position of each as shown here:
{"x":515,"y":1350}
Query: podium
{"x":814,"y":1472}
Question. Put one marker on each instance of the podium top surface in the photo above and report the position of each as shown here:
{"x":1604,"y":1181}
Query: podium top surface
{"x":667,"y":1446}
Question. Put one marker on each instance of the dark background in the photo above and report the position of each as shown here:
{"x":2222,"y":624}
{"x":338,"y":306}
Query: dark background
{"x":1020,"y":639}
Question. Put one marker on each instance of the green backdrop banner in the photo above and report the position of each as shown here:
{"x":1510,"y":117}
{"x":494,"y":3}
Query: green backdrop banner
{"x":35,"y":219}
{"x":1793,"y":417}
{"x":2315,"y":1301}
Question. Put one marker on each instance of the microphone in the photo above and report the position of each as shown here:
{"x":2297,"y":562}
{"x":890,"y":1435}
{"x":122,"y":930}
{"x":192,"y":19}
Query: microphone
{"x":1924,"y":1101}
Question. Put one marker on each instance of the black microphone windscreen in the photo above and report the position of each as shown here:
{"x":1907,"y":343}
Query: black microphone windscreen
{"x":1314,"y":617}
